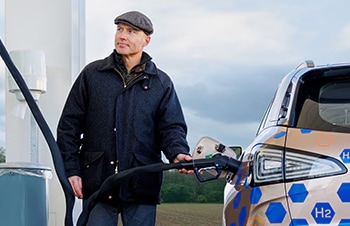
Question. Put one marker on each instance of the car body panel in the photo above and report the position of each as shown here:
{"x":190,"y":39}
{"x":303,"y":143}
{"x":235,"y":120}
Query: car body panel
{"x":319,"y":199}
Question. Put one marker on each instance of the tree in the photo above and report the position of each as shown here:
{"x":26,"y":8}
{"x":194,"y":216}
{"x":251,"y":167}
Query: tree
{"x":178,"y":187}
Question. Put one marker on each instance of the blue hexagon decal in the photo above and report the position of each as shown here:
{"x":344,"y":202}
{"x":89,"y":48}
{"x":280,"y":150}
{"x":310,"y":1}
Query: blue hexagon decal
{"x":344,"y":222}
{"x":299,"y":222}
{"x":242,"y":217}
{"x":298,"y":193}
{"x":255,"y":195}
{"x":305,"y":131}
{"x":279,"y":135}
{"x":275,"y":212}
{"x":344,"y":192}
{"x":237,"y":200}
{"x":323,"y":213}
{"x":345,"y":155}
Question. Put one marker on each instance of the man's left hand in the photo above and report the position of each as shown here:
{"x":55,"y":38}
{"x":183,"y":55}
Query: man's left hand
{"x":183,"y":157}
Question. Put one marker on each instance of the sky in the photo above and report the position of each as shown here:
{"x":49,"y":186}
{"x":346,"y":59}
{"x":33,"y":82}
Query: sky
{"x":227,"y":57}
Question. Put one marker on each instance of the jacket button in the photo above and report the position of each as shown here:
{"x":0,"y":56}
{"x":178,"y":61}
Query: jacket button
{"x":115,"y":129}
{"x":87,"y":166}
{"x":110,"y":197}
{"x":112,"y":162}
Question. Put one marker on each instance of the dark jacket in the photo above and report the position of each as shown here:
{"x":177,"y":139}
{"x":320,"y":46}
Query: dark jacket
{"x":105,"y":124}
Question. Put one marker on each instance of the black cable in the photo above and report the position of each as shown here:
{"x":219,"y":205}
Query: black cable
{"x":55,"y":152}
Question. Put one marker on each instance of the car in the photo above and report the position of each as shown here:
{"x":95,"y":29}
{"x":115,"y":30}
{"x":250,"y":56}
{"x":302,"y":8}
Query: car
{"x":295,"y":171}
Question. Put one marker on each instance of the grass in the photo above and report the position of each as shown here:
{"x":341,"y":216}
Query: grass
{"x":188,"y":214}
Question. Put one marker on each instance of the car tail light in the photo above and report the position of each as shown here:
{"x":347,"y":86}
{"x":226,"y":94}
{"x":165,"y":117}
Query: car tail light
{"x":273,"y":165}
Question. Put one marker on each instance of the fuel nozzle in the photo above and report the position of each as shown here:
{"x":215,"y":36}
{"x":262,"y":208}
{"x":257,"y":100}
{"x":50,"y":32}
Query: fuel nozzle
{"x":212,"y":159}
{"x":211,"y":168}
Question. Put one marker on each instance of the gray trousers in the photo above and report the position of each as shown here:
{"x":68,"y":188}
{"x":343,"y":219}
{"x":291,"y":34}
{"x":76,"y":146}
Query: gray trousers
{"x":132,"y":215}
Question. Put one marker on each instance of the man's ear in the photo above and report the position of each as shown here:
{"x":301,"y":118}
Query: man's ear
{"x":147,"y":40}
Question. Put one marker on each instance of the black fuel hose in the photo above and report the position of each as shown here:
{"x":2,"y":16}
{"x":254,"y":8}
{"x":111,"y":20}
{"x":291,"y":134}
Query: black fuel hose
{"x":220,"y":162}
{"x":55,"y":152}
{"x":114,"y":180}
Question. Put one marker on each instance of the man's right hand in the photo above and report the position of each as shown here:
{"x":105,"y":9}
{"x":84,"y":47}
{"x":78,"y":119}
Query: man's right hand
{"x":75,"y":181}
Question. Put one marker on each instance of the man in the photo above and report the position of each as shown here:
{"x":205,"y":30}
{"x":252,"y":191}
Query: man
{"x":121,"y":112}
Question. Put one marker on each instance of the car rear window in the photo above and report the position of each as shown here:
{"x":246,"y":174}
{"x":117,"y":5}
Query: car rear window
{"x":323,"y":102}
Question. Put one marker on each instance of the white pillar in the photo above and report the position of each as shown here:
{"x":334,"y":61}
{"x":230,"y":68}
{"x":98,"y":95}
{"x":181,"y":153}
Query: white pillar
{"x":56,"y":27}
{"x":2,"y":76}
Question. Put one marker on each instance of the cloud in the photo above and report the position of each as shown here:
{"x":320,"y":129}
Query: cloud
{"x":229,"y":109}
{"x":226,"y":59}
{"x":227,"y":133}
{"x":228,"y":37}
{"x":239,"y":30}
{"x":341,"y":41}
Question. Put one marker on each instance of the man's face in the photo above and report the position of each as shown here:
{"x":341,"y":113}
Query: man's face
{"x":129,"y":41}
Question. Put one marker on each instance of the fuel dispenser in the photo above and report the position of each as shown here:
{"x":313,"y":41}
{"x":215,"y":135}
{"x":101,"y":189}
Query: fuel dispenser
{"x":24,"y":185}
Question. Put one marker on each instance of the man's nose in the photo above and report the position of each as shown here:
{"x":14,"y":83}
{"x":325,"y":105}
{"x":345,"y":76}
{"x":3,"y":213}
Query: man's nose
{"x":122,"y":35}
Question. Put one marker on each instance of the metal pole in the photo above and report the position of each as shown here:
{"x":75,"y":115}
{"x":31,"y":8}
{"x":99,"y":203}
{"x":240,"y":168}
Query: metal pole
{"x":34,"y":138}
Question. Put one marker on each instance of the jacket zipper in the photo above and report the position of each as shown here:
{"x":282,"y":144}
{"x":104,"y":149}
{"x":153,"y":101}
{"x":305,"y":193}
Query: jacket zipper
{"x":121,"y":76}
{"x":133,"y":79}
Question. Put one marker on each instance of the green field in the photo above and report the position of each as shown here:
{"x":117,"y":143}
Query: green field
{"x":176,"y":214}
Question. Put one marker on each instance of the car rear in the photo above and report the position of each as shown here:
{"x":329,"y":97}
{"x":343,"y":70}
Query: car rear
{"x":295,"y":172}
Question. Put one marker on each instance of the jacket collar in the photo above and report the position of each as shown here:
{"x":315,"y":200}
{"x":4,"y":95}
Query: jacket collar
{"x":109,"y":63}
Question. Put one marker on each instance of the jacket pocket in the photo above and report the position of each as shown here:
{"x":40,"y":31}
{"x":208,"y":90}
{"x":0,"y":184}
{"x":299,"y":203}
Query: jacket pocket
{"x":146,"y":186}
{"x":92,"y":168}
{"x":90,"y":156}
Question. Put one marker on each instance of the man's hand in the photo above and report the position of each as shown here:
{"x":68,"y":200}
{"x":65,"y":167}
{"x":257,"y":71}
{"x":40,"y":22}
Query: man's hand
{"x":183,"y":157}
{"x":77,"y":186}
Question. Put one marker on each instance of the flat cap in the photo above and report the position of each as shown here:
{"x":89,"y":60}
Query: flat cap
{"x":137,"y":20}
